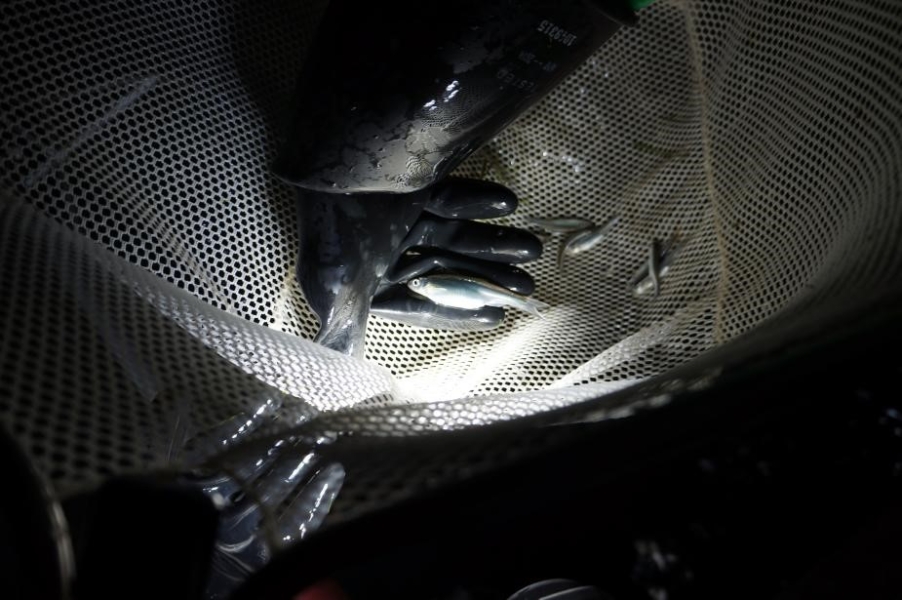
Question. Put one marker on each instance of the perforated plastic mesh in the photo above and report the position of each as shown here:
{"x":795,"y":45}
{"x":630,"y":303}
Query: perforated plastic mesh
{"x":763,"y":138}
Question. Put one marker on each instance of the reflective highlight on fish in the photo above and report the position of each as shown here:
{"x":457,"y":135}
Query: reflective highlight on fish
{"x":470,"y":293}
{"x":585,"y":240}
{"x":562,"y":224}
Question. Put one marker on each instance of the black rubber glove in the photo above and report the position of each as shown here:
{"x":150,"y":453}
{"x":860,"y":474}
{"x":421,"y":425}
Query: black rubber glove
{"x":355,"y":246}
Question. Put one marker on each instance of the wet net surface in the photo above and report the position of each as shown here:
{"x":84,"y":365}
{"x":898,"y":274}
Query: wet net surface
{"x":148,"y":254}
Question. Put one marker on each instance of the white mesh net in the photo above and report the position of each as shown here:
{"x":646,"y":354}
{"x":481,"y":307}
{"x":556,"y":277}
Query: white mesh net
{"x":764,"y":139}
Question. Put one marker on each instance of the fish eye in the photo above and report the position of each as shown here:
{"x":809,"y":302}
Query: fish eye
{"x":415,"y":283}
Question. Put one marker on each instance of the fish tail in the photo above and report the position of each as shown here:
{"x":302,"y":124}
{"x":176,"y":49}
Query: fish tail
{"x":535,"y":307}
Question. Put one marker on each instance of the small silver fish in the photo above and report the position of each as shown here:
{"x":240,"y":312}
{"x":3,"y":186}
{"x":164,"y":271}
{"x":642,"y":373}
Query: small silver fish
{"x":647,"y":279}
{"x":467,"y":292}
{"x":654,"y":266}
{"x":562,"y":224}
{"x":585,"y":240}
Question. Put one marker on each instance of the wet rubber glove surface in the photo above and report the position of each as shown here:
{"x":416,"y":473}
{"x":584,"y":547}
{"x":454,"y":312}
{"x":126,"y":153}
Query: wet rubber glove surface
{"x":354,"y":248}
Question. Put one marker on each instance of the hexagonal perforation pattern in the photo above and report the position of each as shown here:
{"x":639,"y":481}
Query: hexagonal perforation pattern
{"x":765,"y":139}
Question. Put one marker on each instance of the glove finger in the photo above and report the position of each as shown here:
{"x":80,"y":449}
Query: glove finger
{"x":479,"y":240}
{"x":398,"y":305}
{"x":457,"y":198}
{"x":410,"y":266}
{"x":311,"y":504}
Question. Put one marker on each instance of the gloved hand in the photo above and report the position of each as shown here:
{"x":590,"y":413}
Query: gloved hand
{"x":444,"y":239}
{"x":270,"y":495}
{"x":355,"y":246}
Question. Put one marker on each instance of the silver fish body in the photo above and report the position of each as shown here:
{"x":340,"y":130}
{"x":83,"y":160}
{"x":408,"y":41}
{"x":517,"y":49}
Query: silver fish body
{"x":470,"y":293}
{"x":585,"y":240}
{"x":654,"y":266}
{"x":647,"y":279}
{"x":562,"y":224}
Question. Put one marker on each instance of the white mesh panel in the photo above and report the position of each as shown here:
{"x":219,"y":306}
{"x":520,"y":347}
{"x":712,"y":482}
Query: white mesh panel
{"x":763,"y":138}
